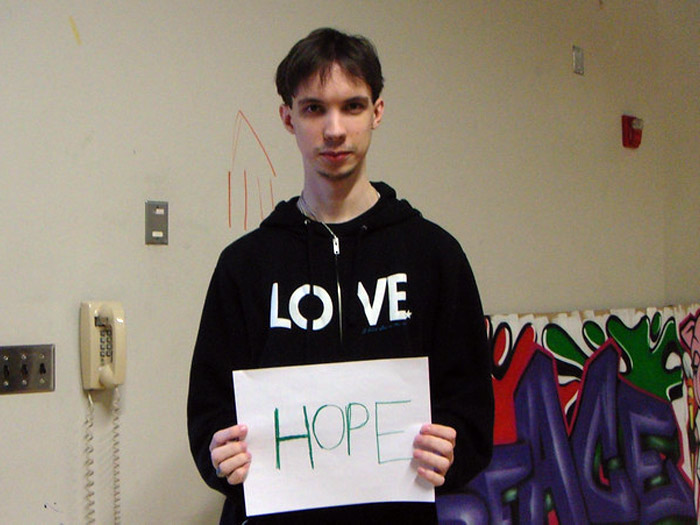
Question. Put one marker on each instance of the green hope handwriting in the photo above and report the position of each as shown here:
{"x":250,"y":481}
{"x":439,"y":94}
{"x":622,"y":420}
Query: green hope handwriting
{"x":352,"y":417}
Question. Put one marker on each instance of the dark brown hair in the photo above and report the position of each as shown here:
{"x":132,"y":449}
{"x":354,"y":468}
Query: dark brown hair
{"x":319,"y":51}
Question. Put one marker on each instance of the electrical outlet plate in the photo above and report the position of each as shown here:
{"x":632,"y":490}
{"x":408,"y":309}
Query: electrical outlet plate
{"x":27,"y":368}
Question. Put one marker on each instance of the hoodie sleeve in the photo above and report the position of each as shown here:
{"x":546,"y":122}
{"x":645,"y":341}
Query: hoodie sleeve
{"x":462,"y":392}
{"x":220,"y":347}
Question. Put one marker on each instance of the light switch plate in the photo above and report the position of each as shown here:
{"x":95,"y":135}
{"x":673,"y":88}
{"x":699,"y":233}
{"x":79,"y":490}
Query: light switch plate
{"x":156,"y":222}
{"x":27,"y":368}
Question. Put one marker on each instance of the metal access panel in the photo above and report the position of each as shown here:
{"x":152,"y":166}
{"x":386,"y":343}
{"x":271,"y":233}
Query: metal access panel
{"x":27,"y":368}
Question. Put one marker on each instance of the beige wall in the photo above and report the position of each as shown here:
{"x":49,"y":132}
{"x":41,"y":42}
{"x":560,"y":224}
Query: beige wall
{"x":487,"y":131}
{"x":679,"y":80}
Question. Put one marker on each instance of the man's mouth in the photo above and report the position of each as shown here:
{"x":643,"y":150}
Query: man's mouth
{"x":335,"y":156}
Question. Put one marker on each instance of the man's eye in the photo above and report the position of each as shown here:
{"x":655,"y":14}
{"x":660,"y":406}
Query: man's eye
{"x":355,"y":107}
{"x":313,"y":108}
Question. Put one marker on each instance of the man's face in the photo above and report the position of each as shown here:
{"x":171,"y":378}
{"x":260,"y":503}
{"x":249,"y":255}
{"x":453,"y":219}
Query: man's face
{"x":333,"y":122}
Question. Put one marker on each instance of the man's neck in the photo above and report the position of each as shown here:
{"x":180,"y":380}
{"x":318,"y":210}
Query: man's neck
{"x":338,"y":201}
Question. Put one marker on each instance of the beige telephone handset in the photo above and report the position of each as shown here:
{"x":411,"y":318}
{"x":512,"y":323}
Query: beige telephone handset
{"x":102,"y":344}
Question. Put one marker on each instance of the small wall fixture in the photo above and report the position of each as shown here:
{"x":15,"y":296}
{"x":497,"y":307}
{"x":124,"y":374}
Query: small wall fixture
{"x":631,"y":131}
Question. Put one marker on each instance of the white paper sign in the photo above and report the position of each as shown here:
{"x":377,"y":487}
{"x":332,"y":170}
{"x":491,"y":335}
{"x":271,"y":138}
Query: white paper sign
{"x":334,"y":434}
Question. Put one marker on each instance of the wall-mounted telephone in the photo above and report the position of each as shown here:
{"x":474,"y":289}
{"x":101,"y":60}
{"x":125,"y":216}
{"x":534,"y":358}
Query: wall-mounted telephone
{"x":103,"y":366}
{"x":102,"y":344}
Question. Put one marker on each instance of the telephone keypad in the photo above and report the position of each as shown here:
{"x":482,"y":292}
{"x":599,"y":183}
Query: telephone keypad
{"x":106,"y":345}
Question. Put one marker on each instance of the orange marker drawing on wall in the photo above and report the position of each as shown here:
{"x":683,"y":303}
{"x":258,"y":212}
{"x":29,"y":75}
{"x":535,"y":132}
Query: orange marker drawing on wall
{"x":245,"y":172}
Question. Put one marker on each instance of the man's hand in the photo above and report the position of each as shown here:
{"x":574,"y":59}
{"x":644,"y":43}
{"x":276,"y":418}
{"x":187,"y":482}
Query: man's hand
{"x":433,"y":448}
{"x":229,"y":454}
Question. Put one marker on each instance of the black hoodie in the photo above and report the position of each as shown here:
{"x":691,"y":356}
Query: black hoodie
{"x":392,"y":284}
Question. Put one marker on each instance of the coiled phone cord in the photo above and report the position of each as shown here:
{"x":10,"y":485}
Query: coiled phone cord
{"x":116,"y":483}
{"x":89,"y":462}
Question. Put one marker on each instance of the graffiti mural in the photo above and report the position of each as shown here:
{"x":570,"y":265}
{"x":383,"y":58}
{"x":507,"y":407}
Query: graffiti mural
{"x":596,"y":421}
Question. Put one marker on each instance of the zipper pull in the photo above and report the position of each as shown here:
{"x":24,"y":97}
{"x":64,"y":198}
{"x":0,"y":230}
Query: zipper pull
{"x":336,"y":245}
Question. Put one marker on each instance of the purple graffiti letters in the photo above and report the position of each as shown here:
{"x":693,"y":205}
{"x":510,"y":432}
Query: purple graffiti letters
{"x":605,"y":487}
{"x":461,"y":509}
{"x":510,"y":465}
{"x":540,"y":424}
{"x":619,"y":465}
{"x":648,"y":427}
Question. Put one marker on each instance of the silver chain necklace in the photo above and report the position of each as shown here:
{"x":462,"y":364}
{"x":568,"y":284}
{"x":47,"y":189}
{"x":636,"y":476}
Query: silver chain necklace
{"x":309,"y":213}
{"x":306,"y":211}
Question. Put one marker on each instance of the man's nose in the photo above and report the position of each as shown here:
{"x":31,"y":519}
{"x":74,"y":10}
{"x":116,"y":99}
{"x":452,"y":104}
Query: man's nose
{"x":334,"y":130}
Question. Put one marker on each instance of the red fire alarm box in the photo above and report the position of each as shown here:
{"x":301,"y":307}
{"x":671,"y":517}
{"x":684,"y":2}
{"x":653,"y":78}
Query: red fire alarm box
{"x":631,"y":131}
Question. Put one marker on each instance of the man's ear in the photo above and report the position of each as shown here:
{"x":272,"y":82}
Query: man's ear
{"x":378,"y":112}
{"x":286,"y":116}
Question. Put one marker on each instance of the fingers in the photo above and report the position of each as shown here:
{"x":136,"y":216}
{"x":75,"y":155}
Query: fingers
{"x":235,"y":468}
{"x":441,"y":431}
{"x":234,"y":433}
{"x":229,"y":454}
{"x":433,"y":448}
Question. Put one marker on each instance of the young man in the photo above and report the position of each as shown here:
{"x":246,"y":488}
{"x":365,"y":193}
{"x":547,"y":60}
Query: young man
{"x":346,"y":238}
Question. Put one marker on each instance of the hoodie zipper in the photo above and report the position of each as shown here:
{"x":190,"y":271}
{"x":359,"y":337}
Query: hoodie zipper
{"x":336,"y":254}
{"x":306,"y":210}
